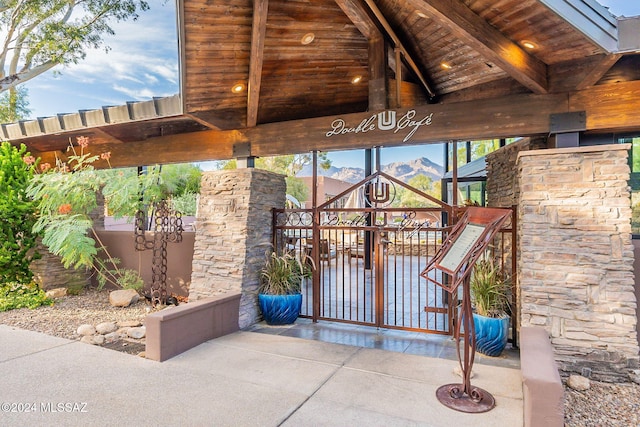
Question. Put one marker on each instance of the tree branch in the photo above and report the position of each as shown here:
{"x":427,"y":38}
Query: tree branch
{"x":12,"y":80}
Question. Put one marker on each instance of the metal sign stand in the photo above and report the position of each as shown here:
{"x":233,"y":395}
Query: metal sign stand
{"x":467,"y":241}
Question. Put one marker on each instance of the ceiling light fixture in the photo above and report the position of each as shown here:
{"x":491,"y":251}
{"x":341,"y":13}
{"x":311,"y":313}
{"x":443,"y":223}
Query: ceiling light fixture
{"x":445,"y":65}
{"x":307,"y":38}
{"x":421,"y":14}
{"x":238,"y":88}
{"x":356,"y":79}
{"x":528,"y":44}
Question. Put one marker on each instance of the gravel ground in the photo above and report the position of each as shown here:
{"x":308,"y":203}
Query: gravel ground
{"x":602,"y":405}
{"x":63,"y":318}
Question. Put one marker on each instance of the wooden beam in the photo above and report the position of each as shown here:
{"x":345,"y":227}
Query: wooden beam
{"x":377,"y":74}
{"x":258,"y":32}
{"x":609,"y":108}
{"x":397,"y":43}
{"x":202,"y":122}
{"x":364,"y":22}
{"x":358,"y":14}
{"x":182,"y":148}
{"x":488,"y":41}
{"x":596,"y":72}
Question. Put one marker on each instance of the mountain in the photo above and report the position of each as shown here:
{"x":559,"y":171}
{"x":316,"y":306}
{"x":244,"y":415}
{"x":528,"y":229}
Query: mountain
{"x":404,"y":171}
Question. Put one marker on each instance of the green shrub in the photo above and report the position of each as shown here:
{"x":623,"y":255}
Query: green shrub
{"x":18,"y":295}
{"x":489,"y":288}
{"x":67,"y":195}
{"x":17,"y":214}
{"x":283,"y":274}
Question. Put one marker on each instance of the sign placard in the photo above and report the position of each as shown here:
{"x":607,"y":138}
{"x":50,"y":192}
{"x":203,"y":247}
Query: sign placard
{"x":459,"y":250}
{"x":466,"y":242}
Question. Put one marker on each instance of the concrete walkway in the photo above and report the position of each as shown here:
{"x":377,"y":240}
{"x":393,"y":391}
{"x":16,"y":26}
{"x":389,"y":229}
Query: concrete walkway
{"x":243,"y":379}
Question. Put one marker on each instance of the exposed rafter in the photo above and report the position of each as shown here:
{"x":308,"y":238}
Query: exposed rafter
{"x":359,"y":15}
{"x":398,"y":44}
{"x":484,"y":38}
{"x":598,"y":71}
{"x":258,"y":32}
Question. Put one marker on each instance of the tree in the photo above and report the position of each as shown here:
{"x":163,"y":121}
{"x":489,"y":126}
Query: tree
{"x":409,"y":199}
{"x":41,"y":34}
{"x":178,"y":182}
{"x":288,"y":165}
{"x":14,"y":105}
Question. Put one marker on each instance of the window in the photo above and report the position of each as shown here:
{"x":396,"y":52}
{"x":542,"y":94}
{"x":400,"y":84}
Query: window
{"x":634,"y":183}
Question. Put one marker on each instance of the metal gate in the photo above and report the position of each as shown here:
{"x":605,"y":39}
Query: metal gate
{"x":369,"y":254}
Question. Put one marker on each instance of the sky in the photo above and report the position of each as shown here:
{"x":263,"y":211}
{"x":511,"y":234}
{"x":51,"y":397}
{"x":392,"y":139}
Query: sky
{"x":143,"y":63}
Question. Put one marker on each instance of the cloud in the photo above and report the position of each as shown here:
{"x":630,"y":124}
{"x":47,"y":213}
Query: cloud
{"x":142,"y":62}
{"x":135,"y":93}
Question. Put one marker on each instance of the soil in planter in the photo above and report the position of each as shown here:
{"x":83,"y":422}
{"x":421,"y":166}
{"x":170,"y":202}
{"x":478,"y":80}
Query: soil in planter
{"x":125,"y":346}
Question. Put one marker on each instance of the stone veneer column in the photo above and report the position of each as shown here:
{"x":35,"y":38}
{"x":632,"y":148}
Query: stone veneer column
{"x":233,"y":232}
{"x":576,"y":263}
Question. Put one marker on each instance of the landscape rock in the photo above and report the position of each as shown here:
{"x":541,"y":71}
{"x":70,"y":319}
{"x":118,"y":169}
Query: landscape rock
{"x":137,"y":333}
{"x":578,"y":383}
{"x":87,"y":339}
{"x":634,"y":376}
{"x":112,"y":337}
{"x":86,"y":330}
{"x":56,"y":293}
{"x":93,"y":339}
{"x":106,"y":327}
{"x":129,"y":324}
{"x":123,"y":297}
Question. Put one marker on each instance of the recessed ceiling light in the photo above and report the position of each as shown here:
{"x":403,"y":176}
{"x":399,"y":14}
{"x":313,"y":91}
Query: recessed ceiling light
{"x":445,"y":65}
{"x":356,"y":79}
{"x":528,"y":44}
{"x":238,"y":88}
{"x":421,"y":14}
{"x":307,"y":38}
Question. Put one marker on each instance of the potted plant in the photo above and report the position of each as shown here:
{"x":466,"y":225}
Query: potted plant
{"x":279,"y":294}
{"x":489,"y":298}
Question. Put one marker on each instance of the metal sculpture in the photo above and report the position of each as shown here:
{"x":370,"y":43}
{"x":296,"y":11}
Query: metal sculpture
{"x":167,"y":228}
{"x":454,"y":261}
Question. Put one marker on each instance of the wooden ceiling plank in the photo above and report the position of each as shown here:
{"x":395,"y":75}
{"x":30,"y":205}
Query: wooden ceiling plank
{"x":256,"y":59}
{"x":484,"y":38}
{"x":596,"y":73}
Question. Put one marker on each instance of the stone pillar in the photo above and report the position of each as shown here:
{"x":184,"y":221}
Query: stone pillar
{"x":576,"y":257}
{"x":233,"y":232}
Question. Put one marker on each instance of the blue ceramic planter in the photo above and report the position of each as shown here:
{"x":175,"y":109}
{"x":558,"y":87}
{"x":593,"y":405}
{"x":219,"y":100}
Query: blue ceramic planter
{"x":280,"y":309}
{"x":491,"y":334}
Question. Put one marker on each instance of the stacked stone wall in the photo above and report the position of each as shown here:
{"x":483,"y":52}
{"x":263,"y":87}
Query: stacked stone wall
{"x":49,"y":272}
{"x":503,"y":189}
{"x":233,"y":233}
{"x":576,"y":257}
